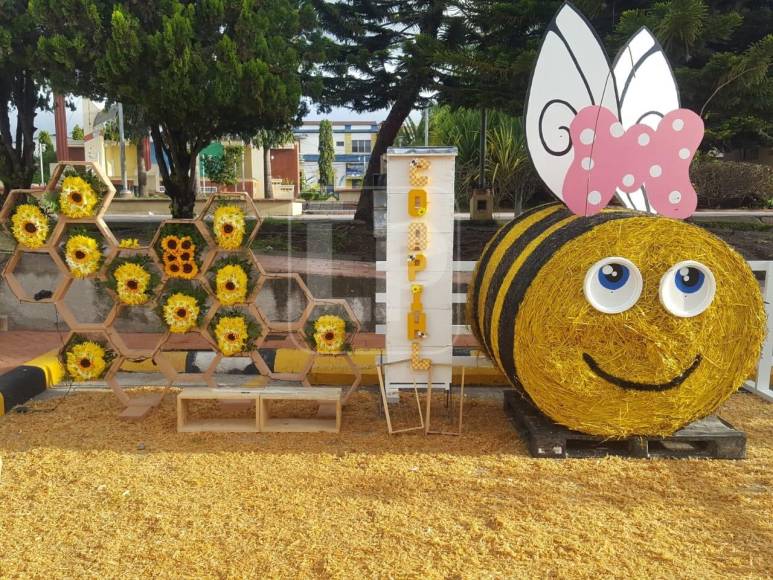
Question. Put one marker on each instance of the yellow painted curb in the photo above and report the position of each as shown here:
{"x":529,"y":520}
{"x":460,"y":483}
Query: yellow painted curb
{"x":50,"y":365}
{"x":2,"y":405}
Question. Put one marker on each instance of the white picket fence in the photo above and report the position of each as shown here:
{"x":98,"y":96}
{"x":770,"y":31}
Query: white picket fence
{"x":761,"y":385}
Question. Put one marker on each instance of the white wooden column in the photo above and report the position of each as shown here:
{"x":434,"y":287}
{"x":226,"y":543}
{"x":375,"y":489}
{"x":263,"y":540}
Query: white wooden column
{"x":436,"y":278}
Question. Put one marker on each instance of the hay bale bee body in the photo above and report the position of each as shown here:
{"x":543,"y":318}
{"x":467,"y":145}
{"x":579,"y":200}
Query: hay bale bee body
{"x":642,"y":358}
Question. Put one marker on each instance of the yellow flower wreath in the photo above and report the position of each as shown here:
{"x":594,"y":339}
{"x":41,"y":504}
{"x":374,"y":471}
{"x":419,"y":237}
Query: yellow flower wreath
{"x":330,"y":334}
{"x":132,"y":283}
{"x":29,"y":226}
{"x":83,"y":255}
{"x":181,"y":312}
{"x":231,"y":334}
{"x":77,"y":198}
{"x":86,"y":361}
{"x":229,"y":226}
{"x":231,"y":284}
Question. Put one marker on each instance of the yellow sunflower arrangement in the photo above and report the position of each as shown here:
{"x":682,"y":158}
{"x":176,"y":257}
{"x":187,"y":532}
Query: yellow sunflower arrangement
{"x":182,"y":307}
{"x":178,"y":248}
{"x":30,"y":226}
{"x":231,"y":284}
{"x":229,"y":226}
{"x":133,"y":280}
{"x":234,"y":332}
{"x":86,"y":360}
{"x":328,"y":334}
{"x":77,"y":199}
{"x":129,"y":243}
{"x":83,"y":255}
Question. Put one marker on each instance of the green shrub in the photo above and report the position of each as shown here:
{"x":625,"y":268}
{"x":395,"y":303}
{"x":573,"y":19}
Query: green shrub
{"x":732,"y":184}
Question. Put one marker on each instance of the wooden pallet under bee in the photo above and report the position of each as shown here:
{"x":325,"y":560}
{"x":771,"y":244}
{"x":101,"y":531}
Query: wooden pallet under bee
{"x":710,"y":438}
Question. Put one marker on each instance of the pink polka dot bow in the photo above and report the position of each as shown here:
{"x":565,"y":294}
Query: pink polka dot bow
{"x":608,"y":157}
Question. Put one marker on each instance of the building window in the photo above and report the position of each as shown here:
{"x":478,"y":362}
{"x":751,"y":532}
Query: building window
{"x":339,"y":143}
{"x":361,"y":146}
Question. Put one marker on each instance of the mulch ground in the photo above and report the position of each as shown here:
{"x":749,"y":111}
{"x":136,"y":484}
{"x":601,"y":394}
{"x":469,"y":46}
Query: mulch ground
{"x":83,"y":494}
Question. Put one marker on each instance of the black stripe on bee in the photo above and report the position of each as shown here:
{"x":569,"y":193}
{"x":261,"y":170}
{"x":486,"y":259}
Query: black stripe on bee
{"x":483,"y":263}
{"x":529,"y":270}
{"x":512,"y":253}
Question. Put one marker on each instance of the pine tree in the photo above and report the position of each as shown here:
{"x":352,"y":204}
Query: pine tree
{"x":326,"y":155}
{"x":721,"y":53}
{"x":384,"y":55}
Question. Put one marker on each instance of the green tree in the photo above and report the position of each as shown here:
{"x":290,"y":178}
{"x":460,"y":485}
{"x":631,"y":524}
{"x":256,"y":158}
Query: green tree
{"x":197,"y":71}
{"x":77,"y":133}
{"x":224,"y":169}
{"x":721,"y":51}
{"x":326,"y":155}
{"x":23,"y":92}
{"x":492,"y":70}
{"x":722,"y":54}
{"x":508,"y":168}
{"x":384,"y":55}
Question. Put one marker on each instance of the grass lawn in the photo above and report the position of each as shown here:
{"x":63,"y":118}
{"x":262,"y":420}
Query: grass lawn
{"x":84,"y":494}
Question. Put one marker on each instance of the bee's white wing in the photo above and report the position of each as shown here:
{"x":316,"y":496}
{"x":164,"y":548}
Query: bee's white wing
{"x":647,"y":92}
{"x":571,"y":72}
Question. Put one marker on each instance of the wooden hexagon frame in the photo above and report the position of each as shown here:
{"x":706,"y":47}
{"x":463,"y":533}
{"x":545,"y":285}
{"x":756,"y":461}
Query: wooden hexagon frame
{"x":242,"y":197}
{"x":295,"y":325}
{"x":173,"y":376}
{"x":207,"y":253}
{"x":18,"y":290}
{"x":138,"y":407}
{"x":125,"y":350}
{"x":250,"y":257}
{"x":89,"y":334}
{"x":71,"y":319}
{"x":335,"y":302}
{"x":104,"y":231}
{"x":7,"y":208}
{"x":108,"y":197}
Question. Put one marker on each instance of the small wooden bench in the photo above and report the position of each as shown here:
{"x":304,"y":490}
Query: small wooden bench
{"x":328,"y":420}
{"x":235,"y":425}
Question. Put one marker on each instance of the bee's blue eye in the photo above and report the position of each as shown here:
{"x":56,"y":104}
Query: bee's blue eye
{"x":613,"y":285}
{"x":687,"y":289}
{"x":689,"y":280}
{"x":613,"y":276}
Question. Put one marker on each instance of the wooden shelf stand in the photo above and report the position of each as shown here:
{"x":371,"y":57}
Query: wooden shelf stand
{"x":216,"y":425}
{"x":326,"y":421}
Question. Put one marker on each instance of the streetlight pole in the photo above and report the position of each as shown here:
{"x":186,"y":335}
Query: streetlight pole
{"x":124,"y":181}
{"x":40,"y":157}
{"x":426,"y":127}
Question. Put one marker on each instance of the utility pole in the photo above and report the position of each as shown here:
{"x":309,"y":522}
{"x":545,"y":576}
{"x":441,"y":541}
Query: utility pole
{"x":482,"y":152}
{"x":426,"y":127}
{"x":40,"y":157}
{"x":124,"y":181}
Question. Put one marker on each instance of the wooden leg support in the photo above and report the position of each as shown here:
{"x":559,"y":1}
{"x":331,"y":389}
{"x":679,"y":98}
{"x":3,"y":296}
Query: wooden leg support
{"x":140,"y":407}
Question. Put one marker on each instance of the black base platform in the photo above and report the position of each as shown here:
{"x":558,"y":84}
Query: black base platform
{"x":708,"y":438}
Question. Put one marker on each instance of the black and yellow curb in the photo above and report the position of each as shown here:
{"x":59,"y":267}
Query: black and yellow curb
{"x":19,"y":385}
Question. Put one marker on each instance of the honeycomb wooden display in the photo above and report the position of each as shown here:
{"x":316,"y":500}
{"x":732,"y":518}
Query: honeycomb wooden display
{"x":214,"y":229}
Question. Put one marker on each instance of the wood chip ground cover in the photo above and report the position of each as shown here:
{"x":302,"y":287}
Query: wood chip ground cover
{"x":83,"y":494}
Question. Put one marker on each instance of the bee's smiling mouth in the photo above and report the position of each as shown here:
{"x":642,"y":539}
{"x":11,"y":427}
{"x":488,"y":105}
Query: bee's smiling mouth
{"x":634,"y":386}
